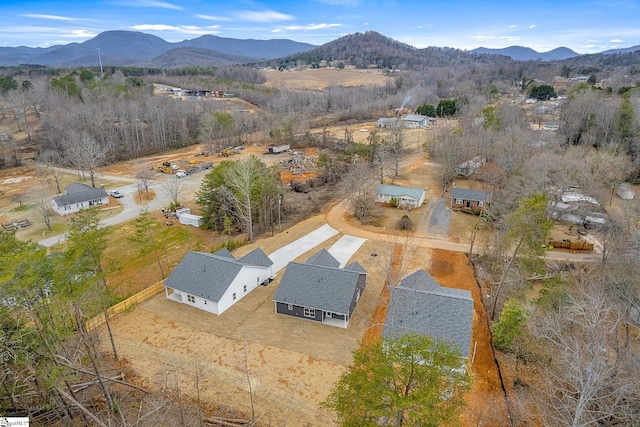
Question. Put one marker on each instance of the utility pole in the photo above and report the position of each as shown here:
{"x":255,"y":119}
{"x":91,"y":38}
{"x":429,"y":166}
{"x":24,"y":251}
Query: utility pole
{"x":279,"y":205}
{"x":100,"y":60}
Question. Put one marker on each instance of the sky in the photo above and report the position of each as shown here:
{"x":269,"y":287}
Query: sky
{"x":586,"y":26}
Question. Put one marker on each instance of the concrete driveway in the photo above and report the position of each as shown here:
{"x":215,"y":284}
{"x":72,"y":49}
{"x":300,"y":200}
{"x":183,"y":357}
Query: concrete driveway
{"x":288,"y":253}
{"x":343,"y":249}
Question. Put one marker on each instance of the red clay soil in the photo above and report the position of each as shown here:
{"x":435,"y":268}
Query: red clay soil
{"x":486,"y":403}
{"x":374,"y":333}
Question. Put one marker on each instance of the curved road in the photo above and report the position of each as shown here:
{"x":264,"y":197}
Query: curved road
{"x":335,"y":217}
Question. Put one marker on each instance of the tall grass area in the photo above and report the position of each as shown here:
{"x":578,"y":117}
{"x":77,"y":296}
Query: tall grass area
{"x":132,"y":266}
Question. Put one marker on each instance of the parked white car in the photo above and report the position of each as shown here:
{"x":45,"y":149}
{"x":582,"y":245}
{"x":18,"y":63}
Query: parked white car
{"x":180,"y":173}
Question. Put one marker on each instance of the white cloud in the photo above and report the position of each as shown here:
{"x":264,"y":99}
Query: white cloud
{"x":311,"y":27}
{"x":350,"y":3}
{"x":53,"y":17}
{"x":513,"y":26}
{"x":616,"y":41}
{"x":183,"y":29}
{"x":148,"y":3}
{"x":483,"y":38}
{"x":214,"y":18}
{"x":80,"y":34}
{"x":532,"y":26}
{"x":265,"y":16}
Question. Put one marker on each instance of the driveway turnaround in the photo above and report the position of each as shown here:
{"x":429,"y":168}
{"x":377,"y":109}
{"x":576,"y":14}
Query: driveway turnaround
{"x":343,"y":249}
{"x":289,"y":252}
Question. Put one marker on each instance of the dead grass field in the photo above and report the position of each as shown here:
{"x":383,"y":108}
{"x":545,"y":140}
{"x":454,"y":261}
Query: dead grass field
{"x":321,"y":78}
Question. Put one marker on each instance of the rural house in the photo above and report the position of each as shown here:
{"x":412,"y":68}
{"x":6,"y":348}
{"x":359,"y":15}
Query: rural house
{"x":420,"y":305}
{"x":387,"y":122}
{"x":469,"y":200}
{"x":79,"y":196}
{"x":403,"y":196}
{"x":318,"y":289}
{"x":412,"y":121}
{"x":214,"y":282}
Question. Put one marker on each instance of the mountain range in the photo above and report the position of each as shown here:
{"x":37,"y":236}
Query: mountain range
{"x":519,"y":53}
{"x":132,"y":48}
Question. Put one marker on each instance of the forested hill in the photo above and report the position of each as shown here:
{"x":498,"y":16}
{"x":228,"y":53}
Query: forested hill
{"x":372,"y":49}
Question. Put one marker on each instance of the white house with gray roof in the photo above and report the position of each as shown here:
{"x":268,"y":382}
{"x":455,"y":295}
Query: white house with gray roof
{"x":420,"y":305}
{"x":214,"y":282}
{"x":412,"y":121}
{"x":319,"y":290}
{"x":79,"y":196}
{"x":404,"y":196}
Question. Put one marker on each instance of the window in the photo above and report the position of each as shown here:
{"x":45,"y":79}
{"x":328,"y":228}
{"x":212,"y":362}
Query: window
{"x":459,"y":201}
{"x":309,"y":312}
{"x":191,"y":299}
{"x":244,"y":288}
{"x":480,"y":203}
{"x":234,"y":296}
{"x":290,"y":307}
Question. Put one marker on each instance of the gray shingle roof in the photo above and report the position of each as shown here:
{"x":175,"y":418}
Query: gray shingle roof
{"x":399,"y":191}
{"x":224,"y":252}
{"x":323,"y":258}
{"x":355,"y":266}
{"x":76,"y":193}
{"x":475,"y":195}
{"x":319,"y":287}
{"x":420,"y":305}
{"x":203,"y":274}
{"x":256,"y":257}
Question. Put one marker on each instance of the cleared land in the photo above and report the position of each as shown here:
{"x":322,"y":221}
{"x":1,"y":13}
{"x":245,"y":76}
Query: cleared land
{"x":321,"y":78}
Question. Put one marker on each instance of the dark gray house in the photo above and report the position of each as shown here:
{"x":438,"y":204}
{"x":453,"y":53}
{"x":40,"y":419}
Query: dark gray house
{"x":318,"y":289}
{"x":214,"y":282}
{"x":420,"y":305}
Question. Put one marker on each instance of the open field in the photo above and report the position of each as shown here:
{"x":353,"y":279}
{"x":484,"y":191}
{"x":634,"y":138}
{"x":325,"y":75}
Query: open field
{"x":321,"y":78}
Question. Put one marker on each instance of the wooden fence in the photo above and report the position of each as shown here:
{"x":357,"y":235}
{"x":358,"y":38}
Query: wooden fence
{"x":123,"y":305}
{"x":574,"y":246}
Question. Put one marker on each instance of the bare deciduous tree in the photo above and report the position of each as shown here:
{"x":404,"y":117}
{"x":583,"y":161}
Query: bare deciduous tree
{"x":86,"y":154}
{"x":173,"y":187}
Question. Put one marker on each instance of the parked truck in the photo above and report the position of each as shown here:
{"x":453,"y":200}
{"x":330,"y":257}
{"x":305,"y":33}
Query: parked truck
{"x":275,"y":149}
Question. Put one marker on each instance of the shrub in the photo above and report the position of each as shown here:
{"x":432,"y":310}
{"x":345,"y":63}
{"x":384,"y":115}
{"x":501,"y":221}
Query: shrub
{"x":405,"y":223}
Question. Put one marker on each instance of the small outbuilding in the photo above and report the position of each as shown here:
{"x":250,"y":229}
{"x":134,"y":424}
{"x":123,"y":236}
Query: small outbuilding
{"x":470,"y":166}
{"x":387,"y":122}
{"x":624,"y":192}
{"x":187,"y":218}
{"x":403,"y":197}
